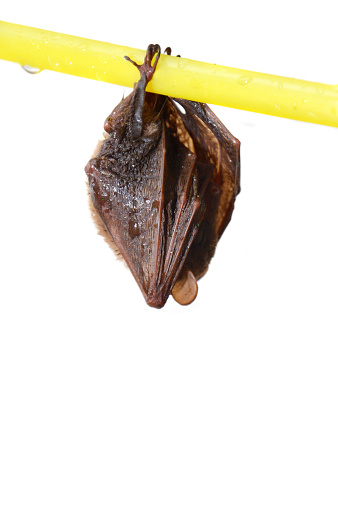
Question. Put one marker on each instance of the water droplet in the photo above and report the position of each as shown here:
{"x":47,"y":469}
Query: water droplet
{"x":180,"y":65}
{"x":101,"y":76}
{"x":294,"y":105}
{"x":244,"y":80}
{"x":280,"y":85}
{"x":134,"y":229}
{"x":53,"y":61}
{"x":30,"y":69}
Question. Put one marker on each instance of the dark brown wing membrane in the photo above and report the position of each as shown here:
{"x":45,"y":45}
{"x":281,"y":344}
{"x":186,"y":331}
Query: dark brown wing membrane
{"x":183,"y":207}
{"x":216,"y":145}
{"x":152,"y":212}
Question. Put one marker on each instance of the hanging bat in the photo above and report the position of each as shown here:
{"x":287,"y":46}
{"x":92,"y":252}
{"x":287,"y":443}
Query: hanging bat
{"x":164,"y":183}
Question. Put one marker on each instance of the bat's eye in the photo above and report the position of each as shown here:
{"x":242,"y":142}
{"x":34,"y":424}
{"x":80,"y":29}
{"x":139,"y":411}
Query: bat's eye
{"x":185,"y":289}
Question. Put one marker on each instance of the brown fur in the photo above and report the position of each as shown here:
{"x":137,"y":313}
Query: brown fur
{"x":100,"y":226}
{"x":104,"y":136}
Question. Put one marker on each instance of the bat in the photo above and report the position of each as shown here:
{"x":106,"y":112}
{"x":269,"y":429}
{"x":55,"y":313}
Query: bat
{"x":164,"y":184}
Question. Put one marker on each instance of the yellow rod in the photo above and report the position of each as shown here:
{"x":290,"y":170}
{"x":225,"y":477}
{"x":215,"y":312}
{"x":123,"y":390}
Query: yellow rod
{"x":297,"y":99}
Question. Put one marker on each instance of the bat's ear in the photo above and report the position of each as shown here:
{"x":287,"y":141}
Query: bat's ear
{"x":146,"y":71}
{"x":185,"y":289}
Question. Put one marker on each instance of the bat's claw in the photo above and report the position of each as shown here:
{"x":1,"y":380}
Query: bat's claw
{"x":146,"y":68}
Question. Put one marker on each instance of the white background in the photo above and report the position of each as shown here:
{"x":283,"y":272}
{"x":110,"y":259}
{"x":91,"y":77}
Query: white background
{"x":230,"y":402}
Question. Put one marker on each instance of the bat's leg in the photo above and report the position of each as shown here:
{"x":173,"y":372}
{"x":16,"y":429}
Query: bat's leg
{"x":146,"y":71}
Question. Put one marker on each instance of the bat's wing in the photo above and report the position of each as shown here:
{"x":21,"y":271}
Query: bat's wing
{"x":216,"y":145}
{"x":153,"y":213}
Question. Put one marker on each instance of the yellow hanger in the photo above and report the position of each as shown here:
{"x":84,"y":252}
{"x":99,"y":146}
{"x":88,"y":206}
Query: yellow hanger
{"x":178,"y":77}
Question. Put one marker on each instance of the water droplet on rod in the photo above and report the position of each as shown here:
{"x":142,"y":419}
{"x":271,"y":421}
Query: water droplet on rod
{"x":30,"y":69}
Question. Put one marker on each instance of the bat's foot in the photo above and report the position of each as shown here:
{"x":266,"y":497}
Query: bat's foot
{"x":146,"y":68}
{"x":146,"y":71}
{"x":168,"y":52}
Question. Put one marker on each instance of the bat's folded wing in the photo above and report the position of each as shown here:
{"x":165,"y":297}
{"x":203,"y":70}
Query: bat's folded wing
{"x":153,"y":218}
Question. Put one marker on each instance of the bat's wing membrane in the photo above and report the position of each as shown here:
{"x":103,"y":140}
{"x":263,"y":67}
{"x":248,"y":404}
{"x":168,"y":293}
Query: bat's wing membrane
{"x":154,"y":218}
